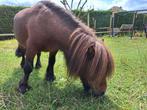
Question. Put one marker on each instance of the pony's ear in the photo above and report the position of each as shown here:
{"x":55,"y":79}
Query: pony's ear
{"x":90,"y":52}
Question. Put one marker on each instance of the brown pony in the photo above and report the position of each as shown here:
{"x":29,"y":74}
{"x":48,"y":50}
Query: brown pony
{"x":47,"y":27}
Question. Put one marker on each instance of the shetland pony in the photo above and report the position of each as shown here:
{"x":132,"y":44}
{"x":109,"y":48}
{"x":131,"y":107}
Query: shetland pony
{"x":48,"y":27}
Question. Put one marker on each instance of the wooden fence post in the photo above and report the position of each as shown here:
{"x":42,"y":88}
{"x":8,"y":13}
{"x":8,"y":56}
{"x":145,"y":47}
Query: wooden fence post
{"x":133,"y":22}
{"x":88,"y":19}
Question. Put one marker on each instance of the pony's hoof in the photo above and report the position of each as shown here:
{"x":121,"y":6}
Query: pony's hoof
{"x":21,"y":65}
{"x":86,"y":88}
{"x":50,"y":79}
{"x":23,"y":88}
{"x":38,"y":66}
{"x":98,"y":94}
{"x":86,"y":93}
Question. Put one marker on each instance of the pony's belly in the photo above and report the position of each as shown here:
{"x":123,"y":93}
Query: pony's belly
{"x":50,"y":48}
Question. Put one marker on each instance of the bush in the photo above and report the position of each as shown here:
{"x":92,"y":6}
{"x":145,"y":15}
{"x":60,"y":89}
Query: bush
{"x":102,"y":18}
{"x":127,"y":18}
{"x":7,"y":14}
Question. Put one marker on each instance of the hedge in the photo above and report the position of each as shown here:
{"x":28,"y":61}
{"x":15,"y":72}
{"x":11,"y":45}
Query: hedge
{"x":7,"y":14}
{"x":102,"y":18}
{"x":127,"y":18}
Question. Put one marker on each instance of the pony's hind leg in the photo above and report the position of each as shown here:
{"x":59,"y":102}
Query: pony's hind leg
{"x":28,"y":67}
{"x":50,"y":68}
{"x":20,"y":52}
{"x":22,"y":61}
{"x":38,"y":62}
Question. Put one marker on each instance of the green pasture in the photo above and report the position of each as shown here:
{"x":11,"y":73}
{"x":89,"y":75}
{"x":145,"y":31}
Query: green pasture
{"x":127,"y":89}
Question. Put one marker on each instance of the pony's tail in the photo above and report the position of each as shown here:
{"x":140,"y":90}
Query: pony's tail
{"x":19,"y":51}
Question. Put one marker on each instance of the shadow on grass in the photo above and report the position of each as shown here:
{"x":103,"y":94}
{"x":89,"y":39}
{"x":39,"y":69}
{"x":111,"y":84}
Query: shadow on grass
{"x":46,"y":96}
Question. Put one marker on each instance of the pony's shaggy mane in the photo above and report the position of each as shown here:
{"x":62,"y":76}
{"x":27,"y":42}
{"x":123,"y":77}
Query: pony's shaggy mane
{"x":80,"y":63}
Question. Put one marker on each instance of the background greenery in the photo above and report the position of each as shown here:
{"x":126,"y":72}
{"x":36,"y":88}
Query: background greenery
{"x":127,"y":18}
{"x":102,"y":18}
{"x":7,"y":14}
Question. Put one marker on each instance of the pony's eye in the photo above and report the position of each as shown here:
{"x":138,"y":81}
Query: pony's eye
{"x":90,"y":52}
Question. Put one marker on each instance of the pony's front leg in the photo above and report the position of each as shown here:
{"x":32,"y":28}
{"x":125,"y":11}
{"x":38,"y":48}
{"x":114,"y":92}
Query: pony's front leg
{"x":28,"y":67}
{"x":85,"y":85}
{"x":38,"y":62}
{"x":22,"y":61}
{"x":50,"y":68}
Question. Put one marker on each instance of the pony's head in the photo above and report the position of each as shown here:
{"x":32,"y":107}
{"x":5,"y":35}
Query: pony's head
{"x":91,"y":60}
{"x":100,"y":67}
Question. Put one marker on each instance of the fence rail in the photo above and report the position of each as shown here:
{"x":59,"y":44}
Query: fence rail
{"x":8,"y":34}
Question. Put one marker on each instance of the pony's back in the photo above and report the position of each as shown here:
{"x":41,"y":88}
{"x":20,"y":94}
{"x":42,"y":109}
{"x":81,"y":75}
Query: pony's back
{"x":20,"y":24}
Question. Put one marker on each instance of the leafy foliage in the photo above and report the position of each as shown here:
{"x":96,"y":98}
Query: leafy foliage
{"x":7,"y":14}
{"x":98,"y":18}
{"x":127,"y":18}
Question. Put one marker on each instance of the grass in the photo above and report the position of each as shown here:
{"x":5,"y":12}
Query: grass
{"x":127,"y":89}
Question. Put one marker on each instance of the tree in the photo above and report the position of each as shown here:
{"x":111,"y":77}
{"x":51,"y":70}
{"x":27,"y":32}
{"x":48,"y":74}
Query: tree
{"x":79,"y":8}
